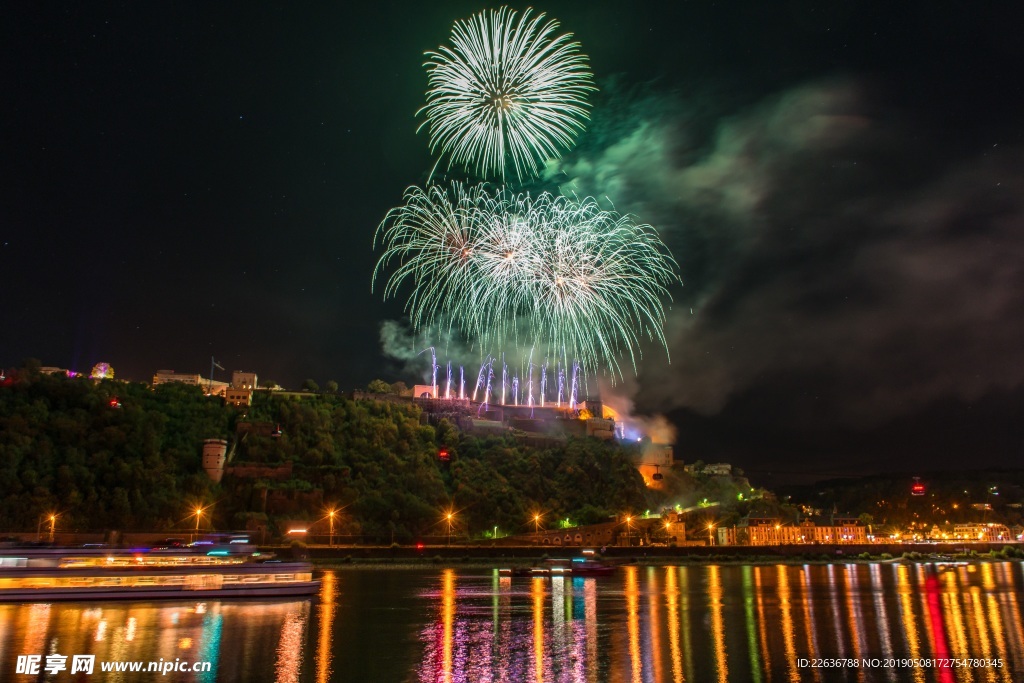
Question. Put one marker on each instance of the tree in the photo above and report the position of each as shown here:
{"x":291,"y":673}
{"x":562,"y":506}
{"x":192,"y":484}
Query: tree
{"x":310,"y":385}
{"x":378,"y":386}
{"x":399,"y":388}
{"x":331,"y":387}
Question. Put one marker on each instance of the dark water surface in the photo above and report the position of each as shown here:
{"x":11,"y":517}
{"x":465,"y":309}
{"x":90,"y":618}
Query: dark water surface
{"x":644,"y":624}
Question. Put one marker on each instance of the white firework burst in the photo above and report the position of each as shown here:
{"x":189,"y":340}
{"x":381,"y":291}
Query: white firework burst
{"x":506,"y":94}
{"x":560,"y":275}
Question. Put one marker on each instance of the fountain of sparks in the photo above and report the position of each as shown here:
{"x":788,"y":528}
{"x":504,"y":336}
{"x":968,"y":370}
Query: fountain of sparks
{"x":561,"y":384}
{"x":480,"y":379}
{"x":543,"y":383}
{"x":575,"y":385}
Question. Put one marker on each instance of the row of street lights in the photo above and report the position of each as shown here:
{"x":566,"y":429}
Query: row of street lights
{"x":449,"y":518}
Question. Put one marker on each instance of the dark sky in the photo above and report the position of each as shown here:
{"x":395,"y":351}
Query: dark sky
{"x":841,"y":183}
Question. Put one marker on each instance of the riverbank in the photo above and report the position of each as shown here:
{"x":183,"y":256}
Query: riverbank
{"x":491,"y":557}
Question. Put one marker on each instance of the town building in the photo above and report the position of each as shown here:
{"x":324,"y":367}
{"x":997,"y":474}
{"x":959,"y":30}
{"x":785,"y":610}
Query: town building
{"x":767,"y":530}
{"x":982,"y":533}
{"x":238,"y":396}
{"x":244,"y":380}
{"x":210,"y":387}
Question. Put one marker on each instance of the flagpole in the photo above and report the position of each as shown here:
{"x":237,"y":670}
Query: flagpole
{"x":213,"y":364}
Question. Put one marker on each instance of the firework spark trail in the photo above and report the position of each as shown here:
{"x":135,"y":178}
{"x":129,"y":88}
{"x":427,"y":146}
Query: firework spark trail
{"x":490,"y":378}
{"x":529,"y":385}
{"x":505,"y":93}
{"x":575,"y":386}
{"x":557,"y":273}
{"x":462,"y":384}
{"x":561,"y":385}
{"x":448,"y":385}
{"x":504,"y":378}
{"x":543,"y":383}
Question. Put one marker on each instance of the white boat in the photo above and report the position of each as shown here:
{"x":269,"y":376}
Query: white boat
{"x":140,"y":575}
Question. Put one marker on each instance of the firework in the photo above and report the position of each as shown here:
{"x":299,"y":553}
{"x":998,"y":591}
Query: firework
{"x":505,"y":93}
{"x":560,"y":275}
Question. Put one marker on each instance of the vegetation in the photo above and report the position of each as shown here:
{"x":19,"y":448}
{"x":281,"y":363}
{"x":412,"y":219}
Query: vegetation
{"x":112,"y":455}
{"x":103,"y":455}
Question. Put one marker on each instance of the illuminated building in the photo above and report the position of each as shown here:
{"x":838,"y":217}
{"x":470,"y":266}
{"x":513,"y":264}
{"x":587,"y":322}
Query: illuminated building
{"x":238,"y":397}
{"x":982,"y":532}
{"x":772,"y":531}
{"x":244,"y":380}
{"x":211,"y":387}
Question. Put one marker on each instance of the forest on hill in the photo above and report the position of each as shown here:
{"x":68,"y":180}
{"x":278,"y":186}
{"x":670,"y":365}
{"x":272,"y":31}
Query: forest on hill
{"x":113,"y":455}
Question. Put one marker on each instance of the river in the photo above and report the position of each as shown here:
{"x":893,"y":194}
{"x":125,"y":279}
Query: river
{"x":645,"y":624}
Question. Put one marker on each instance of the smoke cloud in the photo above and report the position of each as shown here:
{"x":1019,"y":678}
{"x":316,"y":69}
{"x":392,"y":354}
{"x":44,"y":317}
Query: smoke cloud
{"x":863,"y":265}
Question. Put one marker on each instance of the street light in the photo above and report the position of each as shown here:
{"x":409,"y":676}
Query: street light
{"x":53,"y":521}
{"x":331,"y":516}
{"x":199,"y":515}
{"x":450,"y":515}
{"x":711,"y":538}
{"x":628,"y":520}
{"x":536,"y":523}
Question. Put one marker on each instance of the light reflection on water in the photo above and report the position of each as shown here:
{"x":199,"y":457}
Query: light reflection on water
{"x":730,"y":623}
{"x":243,"y":641}
{"x":641,"y":625}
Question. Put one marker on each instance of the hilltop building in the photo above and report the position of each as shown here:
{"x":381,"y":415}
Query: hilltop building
{"x":212,"y":387}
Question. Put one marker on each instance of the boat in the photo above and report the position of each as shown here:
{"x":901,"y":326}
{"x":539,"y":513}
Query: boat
{"x":588,"y":565}
{"x":201,"y":570}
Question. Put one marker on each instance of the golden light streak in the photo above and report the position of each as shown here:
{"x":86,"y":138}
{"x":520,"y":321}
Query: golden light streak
{"x":995,"y":624}
{"x":327,"y":608}
{"x":633,"y":624}
{"x":684,"y":603}
{"x":881,"y":611}
{"x":983,"y":646}
{"x":290,"y":648}
{"x":537,"y":593}
{"x":447,"y":622}
{"x":672,"y":595}
{"x":907,"y":618}
{"x":854,"y":617}
{"x":717,"y":624}
{"x":765,"y":652}
{"x":811,"y":632}
{"x":789,"y":638}
{"x":836,"y":610}
{"x":953,"y":614}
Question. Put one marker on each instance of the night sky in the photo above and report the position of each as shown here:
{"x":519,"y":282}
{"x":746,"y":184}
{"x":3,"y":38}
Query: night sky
{"x":841,"y":182}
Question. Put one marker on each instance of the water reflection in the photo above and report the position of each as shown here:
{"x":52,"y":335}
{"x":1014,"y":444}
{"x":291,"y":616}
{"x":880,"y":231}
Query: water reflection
{"x":641,"y":625}
{"x":748,"y":624}
{"x":243,"y":641}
